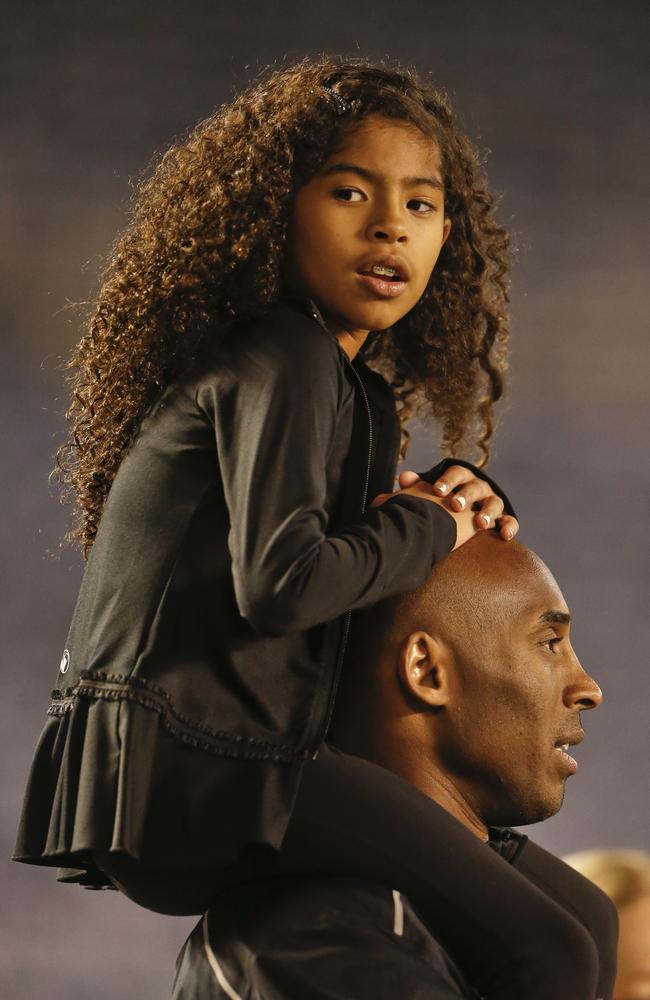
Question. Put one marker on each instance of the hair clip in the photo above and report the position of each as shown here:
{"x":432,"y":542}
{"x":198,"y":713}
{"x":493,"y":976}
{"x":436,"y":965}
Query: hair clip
{"x":343,"y":106}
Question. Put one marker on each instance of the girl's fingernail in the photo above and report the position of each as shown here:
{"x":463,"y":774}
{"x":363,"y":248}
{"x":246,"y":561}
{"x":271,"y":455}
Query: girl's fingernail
{"x":486,"y":520}
{"x":462,"y":501}
{"x":442,"y":487}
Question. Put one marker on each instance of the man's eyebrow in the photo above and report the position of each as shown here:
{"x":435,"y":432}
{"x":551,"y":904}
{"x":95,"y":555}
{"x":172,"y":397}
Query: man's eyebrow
{"x":370,"y":175}
{"x":555,"y":617}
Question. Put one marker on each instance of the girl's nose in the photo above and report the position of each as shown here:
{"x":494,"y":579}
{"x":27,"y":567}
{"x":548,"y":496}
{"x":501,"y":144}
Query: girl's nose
{"x":389,"y":235}
{"x":389,"y":228}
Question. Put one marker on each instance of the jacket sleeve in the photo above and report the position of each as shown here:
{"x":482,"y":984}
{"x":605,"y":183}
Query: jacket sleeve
{"x":274,"y":404}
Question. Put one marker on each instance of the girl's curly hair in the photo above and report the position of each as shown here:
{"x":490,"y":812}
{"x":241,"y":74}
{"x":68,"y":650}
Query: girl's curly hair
{"x":205,"y":246}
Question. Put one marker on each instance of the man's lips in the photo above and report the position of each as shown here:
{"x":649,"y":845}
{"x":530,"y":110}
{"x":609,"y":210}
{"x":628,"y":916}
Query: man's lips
{"x":562,"y":745}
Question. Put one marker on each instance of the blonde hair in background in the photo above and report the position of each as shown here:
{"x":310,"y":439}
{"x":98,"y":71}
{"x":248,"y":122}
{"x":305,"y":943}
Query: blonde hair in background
{"x":623,"y":874}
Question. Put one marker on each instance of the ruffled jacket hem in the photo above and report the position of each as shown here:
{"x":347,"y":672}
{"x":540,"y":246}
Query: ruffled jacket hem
{"x":117,"y":770}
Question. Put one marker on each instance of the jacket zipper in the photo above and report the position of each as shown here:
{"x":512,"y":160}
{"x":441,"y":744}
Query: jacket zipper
{"x":348,"y":614}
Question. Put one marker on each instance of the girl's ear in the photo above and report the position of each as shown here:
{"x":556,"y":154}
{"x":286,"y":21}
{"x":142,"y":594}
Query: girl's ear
{"x":446,"y":229}
{"x":423,"y":669}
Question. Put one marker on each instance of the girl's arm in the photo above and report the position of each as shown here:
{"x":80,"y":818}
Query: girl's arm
{"x":274,"y":405}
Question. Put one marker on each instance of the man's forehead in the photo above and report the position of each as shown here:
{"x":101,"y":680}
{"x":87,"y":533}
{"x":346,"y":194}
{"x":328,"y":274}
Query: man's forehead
{"x":517,"y":583}
{"x":544,"y":602}
{"x":486,"y":584}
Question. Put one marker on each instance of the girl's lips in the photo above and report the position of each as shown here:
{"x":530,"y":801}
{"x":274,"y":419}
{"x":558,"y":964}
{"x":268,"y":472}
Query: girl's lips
{"x":383,"y":287}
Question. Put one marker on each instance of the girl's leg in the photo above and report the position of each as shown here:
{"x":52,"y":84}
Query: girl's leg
{"x":580,"y":897}
{"x":180,"y":892}
{"x":354,"y":818}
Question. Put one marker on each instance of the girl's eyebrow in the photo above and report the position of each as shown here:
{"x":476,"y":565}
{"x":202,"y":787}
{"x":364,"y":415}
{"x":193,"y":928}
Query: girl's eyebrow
{"x":371,"y":175}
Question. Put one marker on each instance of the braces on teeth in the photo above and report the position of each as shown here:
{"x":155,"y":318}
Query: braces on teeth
{"x":383,"y":269}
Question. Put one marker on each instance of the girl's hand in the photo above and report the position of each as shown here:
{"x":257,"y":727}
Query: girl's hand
{"x":465,"y":525}
{"x":467,"y":492}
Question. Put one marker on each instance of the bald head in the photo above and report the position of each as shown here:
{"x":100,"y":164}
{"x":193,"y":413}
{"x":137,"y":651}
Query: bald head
{"x":474,"y":591}
{"x":472,"y":679}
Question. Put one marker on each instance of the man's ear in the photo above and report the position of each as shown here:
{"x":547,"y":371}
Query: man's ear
{"x":422,"y":666}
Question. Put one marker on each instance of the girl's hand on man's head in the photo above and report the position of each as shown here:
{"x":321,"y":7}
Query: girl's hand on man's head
{"x":466,"y":527}
{"x":464,"y":493}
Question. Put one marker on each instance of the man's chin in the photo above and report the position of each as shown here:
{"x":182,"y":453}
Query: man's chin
{"x":526,"y":810}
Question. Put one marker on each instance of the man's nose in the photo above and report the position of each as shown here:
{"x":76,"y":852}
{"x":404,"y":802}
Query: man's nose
{"x":582,"y":692}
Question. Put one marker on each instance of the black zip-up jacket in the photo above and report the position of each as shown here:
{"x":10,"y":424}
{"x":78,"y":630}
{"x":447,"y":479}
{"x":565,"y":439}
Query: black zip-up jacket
{"x":317,"y":938}
{"x":311,"y":939}
{"x":201,"y":663}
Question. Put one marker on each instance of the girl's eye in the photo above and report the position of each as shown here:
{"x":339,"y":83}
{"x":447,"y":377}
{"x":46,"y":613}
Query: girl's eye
{"x":348,"y":194}
{"x":421,"y":207}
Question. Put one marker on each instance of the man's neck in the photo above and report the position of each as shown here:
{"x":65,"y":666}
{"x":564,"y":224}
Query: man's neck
{"x":440,"y":787}
{"x":398,"y":751}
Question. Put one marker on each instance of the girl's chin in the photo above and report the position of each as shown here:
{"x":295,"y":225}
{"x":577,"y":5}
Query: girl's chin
{"x":374,"y":317}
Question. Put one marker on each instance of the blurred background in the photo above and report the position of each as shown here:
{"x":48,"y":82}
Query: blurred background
{"x":555,"y":93}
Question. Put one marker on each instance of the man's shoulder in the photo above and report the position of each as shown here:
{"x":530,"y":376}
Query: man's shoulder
{"x":329,"y":938}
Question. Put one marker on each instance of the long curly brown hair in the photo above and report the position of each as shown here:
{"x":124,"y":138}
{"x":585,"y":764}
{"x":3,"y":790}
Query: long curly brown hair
{"x":205,"y":246}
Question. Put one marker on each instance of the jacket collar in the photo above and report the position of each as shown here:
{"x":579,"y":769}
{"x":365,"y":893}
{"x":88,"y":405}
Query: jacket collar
{"x":307,"y":306}
{"x":508,"y":843}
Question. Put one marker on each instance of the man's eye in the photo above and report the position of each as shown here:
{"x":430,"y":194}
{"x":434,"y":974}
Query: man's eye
{"x":348,"y":194}
{"x":552,"y":642}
